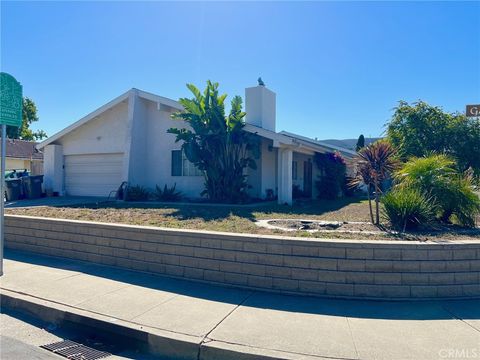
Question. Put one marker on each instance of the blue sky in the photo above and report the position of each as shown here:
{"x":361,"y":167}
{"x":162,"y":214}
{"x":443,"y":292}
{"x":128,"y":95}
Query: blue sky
{"x":338,"y":68}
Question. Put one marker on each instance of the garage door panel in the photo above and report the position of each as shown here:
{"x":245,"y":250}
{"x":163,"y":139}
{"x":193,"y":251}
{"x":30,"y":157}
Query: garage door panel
{"x":93,"y":174}
{"x":89,"y":172}
{"x":92,"y":182}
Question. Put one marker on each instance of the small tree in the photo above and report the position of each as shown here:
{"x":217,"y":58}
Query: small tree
{"x":29,"y":115}
{"x":217,"y":144}
{"x":360,"y":143}
{"x":375,"y":163}
{"x":364,"y":176}
{"x":418,"y":129}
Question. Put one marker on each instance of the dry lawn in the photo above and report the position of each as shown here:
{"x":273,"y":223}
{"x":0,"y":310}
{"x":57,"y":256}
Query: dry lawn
{"x":230,"y":218}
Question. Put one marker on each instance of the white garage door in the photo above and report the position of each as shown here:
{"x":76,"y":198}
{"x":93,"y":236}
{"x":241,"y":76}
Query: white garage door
{"x":93,"y":174}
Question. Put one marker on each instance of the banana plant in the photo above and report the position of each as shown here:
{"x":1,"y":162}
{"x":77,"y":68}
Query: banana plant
{"x":216,"y":143}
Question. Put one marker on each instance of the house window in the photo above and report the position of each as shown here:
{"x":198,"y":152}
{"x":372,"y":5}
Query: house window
{"x":176,"y":162}
{"x":188,"y":168}
{"x":181,"y":166}
{"x":294,"y":170}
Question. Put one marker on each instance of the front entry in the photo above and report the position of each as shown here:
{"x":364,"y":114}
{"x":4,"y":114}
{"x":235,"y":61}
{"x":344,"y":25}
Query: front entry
{"x":307,"y":178}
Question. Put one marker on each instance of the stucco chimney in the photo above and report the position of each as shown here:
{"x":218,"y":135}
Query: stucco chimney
{"x":260,"y":104}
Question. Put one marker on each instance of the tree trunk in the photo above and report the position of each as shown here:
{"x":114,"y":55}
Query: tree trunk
{"x":377,"y":201}
{"x":370,"y":204}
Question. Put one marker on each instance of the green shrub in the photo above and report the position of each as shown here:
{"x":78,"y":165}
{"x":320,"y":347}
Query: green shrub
{"x":137,"y":193}
{"x":465,"y":204}
{"x":407,"y":208}
{"x":167,"y":194}
{"x":451,"y":192}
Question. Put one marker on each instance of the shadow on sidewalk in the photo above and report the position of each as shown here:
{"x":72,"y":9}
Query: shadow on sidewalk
{"x":367,"y":309}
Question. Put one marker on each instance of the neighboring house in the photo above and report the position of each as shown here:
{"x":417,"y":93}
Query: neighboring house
{"x":127,"y":140}
{"x":21,"y":155}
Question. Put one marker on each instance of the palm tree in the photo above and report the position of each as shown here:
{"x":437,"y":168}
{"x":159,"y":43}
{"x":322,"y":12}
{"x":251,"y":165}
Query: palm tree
{"x":364,"y":176}
{"x":375,"y":163}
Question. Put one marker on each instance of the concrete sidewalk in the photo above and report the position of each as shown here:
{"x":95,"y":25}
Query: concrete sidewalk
{"x":188,"y":320}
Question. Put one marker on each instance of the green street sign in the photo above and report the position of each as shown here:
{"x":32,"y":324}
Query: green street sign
{"x":11,"y":101}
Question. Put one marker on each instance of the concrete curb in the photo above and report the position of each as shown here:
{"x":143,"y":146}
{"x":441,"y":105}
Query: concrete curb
{"x":169,"y":344}
{"x":218,"y":350}
{"x":163,"y":343}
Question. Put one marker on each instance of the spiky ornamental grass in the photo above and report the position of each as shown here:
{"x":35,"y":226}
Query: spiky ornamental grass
{"x":450,"y":191}
{"x":408,"y":208}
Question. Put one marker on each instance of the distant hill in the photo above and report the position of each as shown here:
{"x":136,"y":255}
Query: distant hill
{"x":348,"y":143}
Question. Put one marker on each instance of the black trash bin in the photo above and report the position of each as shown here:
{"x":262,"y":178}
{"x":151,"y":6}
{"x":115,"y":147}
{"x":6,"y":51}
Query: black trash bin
{"x":33,"y":186}
{"x":13,"y":189}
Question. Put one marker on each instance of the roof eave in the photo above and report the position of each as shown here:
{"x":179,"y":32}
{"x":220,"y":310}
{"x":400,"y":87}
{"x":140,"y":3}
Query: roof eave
{"x":321,"y":145}
{"x":276,"y":137}
{"x":160,"y":99}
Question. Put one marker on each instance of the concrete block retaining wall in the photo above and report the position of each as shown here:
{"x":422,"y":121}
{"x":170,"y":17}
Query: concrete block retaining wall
{"x":337,"y":268}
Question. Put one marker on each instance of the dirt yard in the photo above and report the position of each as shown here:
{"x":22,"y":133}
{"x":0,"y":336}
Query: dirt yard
{"x":239,"y":219}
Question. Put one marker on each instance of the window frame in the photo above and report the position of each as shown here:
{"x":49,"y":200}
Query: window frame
{"x":185,"y":167}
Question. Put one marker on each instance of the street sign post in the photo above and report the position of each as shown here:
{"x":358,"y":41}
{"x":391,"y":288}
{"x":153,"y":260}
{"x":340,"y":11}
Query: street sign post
{"x":11,"y":102}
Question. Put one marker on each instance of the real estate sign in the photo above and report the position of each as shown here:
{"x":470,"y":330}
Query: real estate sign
{"x":10,"y":101}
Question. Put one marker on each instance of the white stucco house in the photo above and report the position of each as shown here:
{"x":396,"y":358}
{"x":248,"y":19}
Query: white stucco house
{"x":127,"y":140}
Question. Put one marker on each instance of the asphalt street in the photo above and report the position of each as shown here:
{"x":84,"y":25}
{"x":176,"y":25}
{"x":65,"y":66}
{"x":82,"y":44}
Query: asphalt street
{"x":21,"y":337}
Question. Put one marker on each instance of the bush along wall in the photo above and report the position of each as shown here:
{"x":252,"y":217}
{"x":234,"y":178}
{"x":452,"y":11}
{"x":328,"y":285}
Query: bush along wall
{"x":431,"y":189}
{"x":332,"y":169}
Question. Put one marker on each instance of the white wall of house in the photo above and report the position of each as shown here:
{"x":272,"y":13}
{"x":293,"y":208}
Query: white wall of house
{"x":264,"y":178}
{"x":135,"y":166}
{"x":269,"y":167}
{"x":159,"y":145}
{"x":89,"y":159}
{"x":104,"y":134}
{"x":53,"y":169}
{"x":284,"y":175}
{"x":260,"y":106}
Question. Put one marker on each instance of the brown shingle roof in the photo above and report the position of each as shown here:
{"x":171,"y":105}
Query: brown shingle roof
{"x":23,"y":149}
